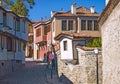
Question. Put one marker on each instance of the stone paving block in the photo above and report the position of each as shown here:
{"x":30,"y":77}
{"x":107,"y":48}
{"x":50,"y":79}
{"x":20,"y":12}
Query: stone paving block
{"x":32,"y":73}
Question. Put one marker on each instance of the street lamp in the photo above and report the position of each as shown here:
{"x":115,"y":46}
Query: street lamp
{"x":97,"y":74}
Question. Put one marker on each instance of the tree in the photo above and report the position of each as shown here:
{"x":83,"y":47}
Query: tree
{"x":20,"y":7}
{"x":96,"y":42}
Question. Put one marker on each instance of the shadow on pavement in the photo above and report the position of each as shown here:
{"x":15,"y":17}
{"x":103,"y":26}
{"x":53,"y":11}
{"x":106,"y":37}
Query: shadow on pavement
{"x":65,"y":80}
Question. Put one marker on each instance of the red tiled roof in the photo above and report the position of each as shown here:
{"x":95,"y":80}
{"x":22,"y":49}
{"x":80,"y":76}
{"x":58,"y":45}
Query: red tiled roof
{"x":43,"y":22}
{"x":88,"y":48}
{"x":75,"y":35}
{"x":80,"y":11}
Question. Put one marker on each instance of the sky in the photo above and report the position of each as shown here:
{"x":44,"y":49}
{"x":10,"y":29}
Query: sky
{"x":42,"y":8}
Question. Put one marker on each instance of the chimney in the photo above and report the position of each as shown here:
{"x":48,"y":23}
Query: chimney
{"x":52,"y":13}
{"x":107,"y":2}
{"x":73,"y":8}
{"x":92,"y":9}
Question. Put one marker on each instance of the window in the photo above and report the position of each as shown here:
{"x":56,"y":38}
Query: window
{"x":23,"y":26}
{"x":38,"y":32}
{"x":30,"y":38}
{"x":65,"y":45}
{"x":14,"y":45}
{"x":24,"y":46}
{"x":9,"y":44}
{"x":30,"y":28}
{"x":89,"y":24}
{"x":17,"y":24}
{"x":19,"y":46}
{"x":2,"y":42}
{"x":48,"y":28}
{"x":83,"y":24}
{"x":14,"y":23}
{"x":4,"y":19}
{"x":45,"y":30}
{"x":70,"y":25}
{"x":95,"y":25}
{"x":64,"y":25}
{"x":1,"y":20}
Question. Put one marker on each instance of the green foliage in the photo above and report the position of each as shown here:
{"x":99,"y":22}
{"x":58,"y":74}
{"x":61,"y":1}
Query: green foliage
{"x":94,"y":43}
{"x":20,"y":7}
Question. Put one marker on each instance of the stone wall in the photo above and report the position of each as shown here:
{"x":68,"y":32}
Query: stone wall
{"x":7,"y":67}
{"x":85,"y":71}
{"x":111,"y":47}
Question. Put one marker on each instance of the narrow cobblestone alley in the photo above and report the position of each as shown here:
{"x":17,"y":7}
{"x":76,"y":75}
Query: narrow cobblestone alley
{"x":32,"y":73}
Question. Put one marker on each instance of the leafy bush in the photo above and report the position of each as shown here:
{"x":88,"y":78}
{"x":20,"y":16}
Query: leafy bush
{"x":96,"y":42}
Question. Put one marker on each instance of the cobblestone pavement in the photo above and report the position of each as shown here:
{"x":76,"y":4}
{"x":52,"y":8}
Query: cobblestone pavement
{"x":32,"y":73}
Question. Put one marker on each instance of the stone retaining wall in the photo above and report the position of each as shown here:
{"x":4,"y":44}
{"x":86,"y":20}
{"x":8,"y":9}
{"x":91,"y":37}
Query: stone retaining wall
{"x":85,"y":71}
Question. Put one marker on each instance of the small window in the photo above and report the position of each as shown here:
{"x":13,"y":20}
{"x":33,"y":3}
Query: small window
{"x":4,"y":19}
{"x":45,"y":30}
{"x":70,"y":25}
{"x":19,"y":46}
{"x":24,"y":26}
{"x":95,"y":25}
{"x":64,"y":25}
{"x":65,"y":45}
{"x":18,"y":25}
{"x":83,"y":24}
{"x":9,"y":44}
{"x":2,"y":42}
{"x":38,"y":32}
{"x":30,"y":39}
{"x":89,"y":24}
{"x":30,"y":29}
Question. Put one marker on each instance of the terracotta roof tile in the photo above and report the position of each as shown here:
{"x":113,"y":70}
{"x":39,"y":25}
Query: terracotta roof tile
{"x":88,"y":48}
{"x":80,"y":11}
{"x":78,"y":35}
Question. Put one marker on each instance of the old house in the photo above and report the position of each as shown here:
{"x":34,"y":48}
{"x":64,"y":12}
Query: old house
{"x":77,"y":20}
{"x":71,"y":31}
{"x":74,"y":28}
{"x":13,"y":39}
{"x":42,"y":39}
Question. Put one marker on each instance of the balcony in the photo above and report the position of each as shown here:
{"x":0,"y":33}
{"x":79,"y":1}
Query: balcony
{"x":41,"y":38}
{"x":44,"y":38}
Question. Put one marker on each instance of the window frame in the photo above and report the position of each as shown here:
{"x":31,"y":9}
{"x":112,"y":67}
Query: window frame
{"x":70,"y":25}
{"x":19,"y":46}
{"x":89,"y":25}
{"x":4,"y":19}
{"x":9,"y":44}
{"x":65,"y":45}
{"x":83,"y":25}
{"x":64,"y":25}
{"x":96,"y":26}
{"x":17,"y":24}
{"x":38,"y":32}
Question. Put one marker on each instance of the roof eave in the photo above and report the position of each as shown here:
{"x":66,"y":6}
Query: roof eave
{"x":107,"y":11}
